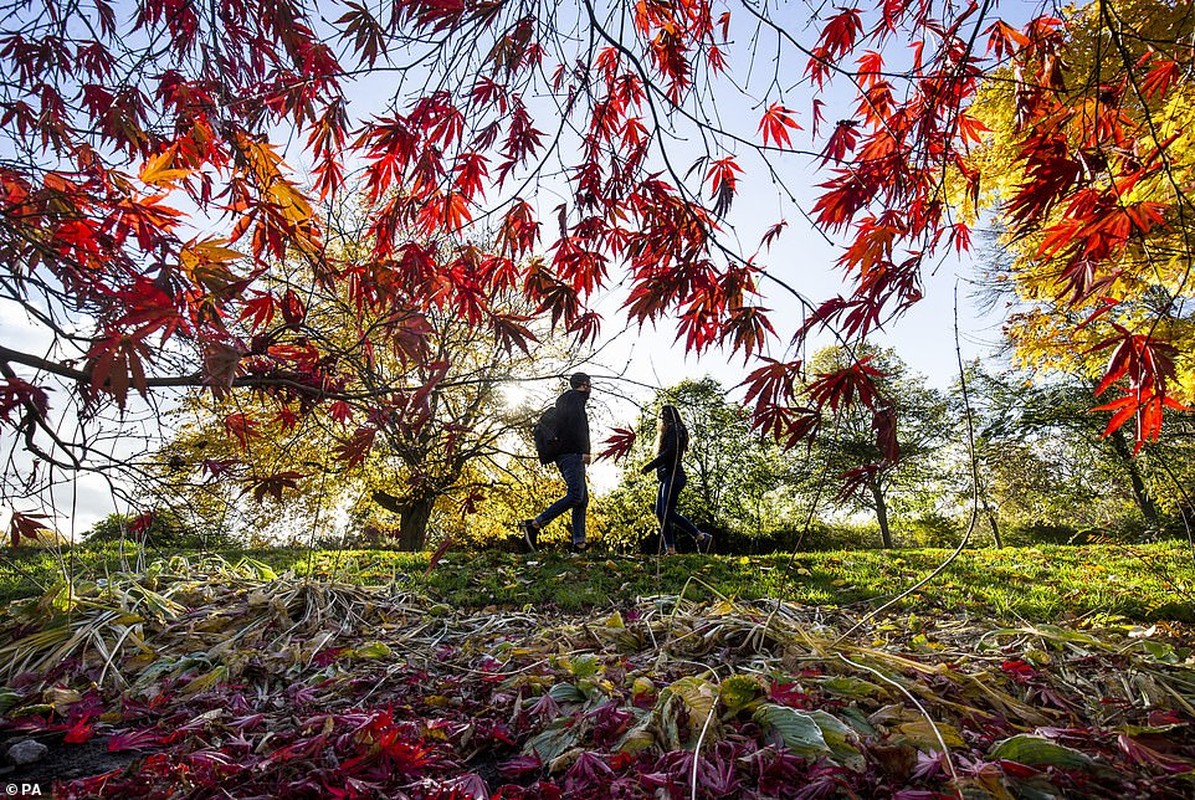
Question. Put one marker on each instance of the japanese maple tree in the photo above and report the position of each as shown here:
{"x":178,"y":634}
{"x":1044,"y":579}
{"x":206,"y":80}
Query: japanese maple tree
{"x":145,"y":166}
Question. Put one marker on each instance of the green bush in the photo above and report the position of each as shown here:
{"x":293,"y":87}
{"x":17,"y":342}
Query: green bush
{"x":928,"y":530}
{"x":1035,"y":533}
{"x":166,"y":530}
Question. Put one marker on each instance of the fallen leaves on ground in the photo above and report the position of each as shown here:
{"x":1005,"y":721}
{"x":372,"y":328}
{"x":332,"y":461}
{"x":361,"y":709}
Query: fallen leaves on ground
{"x":242,"y":683}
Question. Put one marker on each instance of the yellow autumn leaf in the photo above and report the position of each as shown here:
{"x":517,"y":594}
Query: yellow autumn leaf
{"x":290,"y":201}
{"x":205,"y":682}
{"x":61,"y":698}
{"x":921,"y":734}
{"x":158,"y":171}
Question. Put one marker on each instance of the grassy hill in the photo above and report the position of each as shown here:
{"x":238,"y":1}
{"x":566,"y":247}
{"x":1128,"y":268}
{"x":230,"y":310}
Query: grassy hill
{"x":1141,"y":583}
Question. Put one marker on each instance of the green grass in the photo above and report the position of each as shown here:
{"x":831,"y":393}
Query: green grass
{"x":1141,"y":583}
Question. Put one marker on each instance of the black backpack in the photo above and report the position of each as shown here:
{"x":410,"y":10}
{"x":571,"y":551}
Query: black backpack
{"x":547,"y":435}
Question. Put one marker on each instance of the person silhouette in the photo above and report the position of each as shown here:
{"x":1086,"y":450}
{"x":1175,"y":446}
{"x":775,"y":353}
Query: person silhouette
{"x":672,"y":440}
{"x":574,"y":449}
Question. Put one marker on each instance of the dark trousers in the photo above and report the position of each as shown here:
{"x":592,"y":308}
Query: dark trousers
{"x":576,"y":496}
{"x":671,"y":483}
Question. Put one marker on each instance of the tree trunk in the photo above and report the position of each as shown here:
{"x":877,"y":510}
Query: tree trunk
{"x":412,"y":518}
{"x":995,"y":526}
{"x":412,"y":524}
{"x":1140,"y":492}
{"x":881,"y":514}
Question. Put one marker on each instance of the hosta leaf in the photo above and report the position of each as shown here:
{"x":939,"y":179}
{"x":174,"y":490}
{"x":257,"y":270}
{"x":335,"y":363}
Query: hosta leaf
{"x":638,"y":738}
{"x":723,"y":608}
{"x":370,"y":650}
{"x":583,"y":666}
{"x":62,"y":699}
{"x":799,"y":730}
{"x":642,"y":687}
{"x":153,"y":673}
{"x":1025,"y":748}
{"x":552,"y":743}
{"x":838,"y":736}
{"x":260,"y":568}
{"x":739,"y":691}
{"x":205,"y":682}
{"x":1161,"y":651}
{"x":698,"y":694}
{"x":922,"y":735}
{"x":566,"y":693}
{"x":667,"y":725}
{"x":8,"y":699}
{"x":847,"y":686}
{"x":858,"y":720}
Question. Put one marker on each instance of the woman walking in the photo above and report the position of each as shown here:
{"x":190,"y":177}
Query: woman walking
{"x":672,"y":440}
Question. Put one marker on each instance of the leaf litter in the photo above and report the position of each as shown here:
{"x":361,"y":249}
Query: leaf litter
{"x":236,"y":682}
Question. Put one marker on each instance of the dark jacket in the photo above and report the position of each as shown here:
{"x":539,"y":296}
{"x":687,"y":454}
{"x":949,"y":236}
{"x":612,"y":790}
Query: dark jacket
{"x":668,"y":460}
{"x":574,"y":423}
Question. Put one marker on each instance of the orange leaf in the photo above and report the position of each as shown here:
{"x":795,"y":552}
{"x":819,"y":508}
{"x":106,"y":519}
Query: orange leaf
{"x":158,"y":171}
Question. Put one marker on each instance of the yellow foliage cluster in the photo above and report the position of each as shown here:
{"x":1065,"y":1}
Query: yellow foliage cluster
{"x":1150,"y":278}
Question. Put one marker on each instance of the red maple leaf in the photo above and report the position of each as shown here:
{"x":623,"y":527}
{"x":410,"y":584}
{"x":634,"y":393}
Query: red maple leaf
{"x":1161,"y":76}
{"x":841,"y":141}
{"x":775,"y":124}
{"x":619,"y":445}
{"x":772,"y":233}
{"x":240,"y":427}
{"x":354,"y":451}
{"x":272,"y":485}
{"x":846,"y":386}
{"x":25,"y":526}
{"x":116,"y":362}
{"x":839,"y":33}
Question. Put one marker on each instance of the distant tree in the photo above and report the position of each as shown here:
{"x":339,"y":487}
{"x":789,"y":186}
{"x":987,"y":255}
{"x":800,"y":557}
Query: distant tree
{"x":1048,"y":461}
{"x":415,"y":406}
{"x":848,"y":443}
{"x":381,"y":454}
{"x":161,"y":529}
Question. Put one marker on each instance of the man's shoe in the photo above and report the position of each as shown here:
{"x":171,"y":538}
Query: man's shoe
{"x":578,"y":547}
{"x":704,"y":542}
{"x":530,"y":534}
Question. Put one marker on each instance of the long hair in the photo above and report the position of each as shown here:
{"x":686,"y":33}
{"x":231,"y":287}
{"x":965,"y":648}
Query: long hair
{"x":670,"y":418}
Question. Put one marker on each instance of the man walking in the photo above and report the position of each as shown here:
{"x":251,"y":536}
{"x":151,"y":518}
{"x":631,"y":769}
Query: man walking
{"x":573,"y":439}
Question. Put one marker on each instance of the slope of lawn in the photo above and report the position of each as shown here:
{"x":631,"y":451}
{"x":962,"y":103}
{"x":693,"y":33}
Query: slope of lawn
{"x":1142,"y":583}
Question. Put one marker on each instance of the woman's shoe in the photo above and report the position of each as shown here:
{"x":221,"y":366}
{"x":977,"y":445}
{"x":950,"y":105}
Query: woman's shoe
{"x":669,"y":551}
{"x":704,"y":542}
{"x":530,"y":534}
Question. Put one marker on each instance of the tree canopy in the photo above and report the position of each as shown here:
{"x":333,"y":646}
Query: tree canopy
{"x":157,"y":159}
{"x":1091,"y":172}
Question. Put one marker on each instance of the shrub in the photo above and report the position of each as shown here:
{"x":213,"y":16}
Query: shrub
{"x":928,"y":530}
{"x":166,"y":529}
